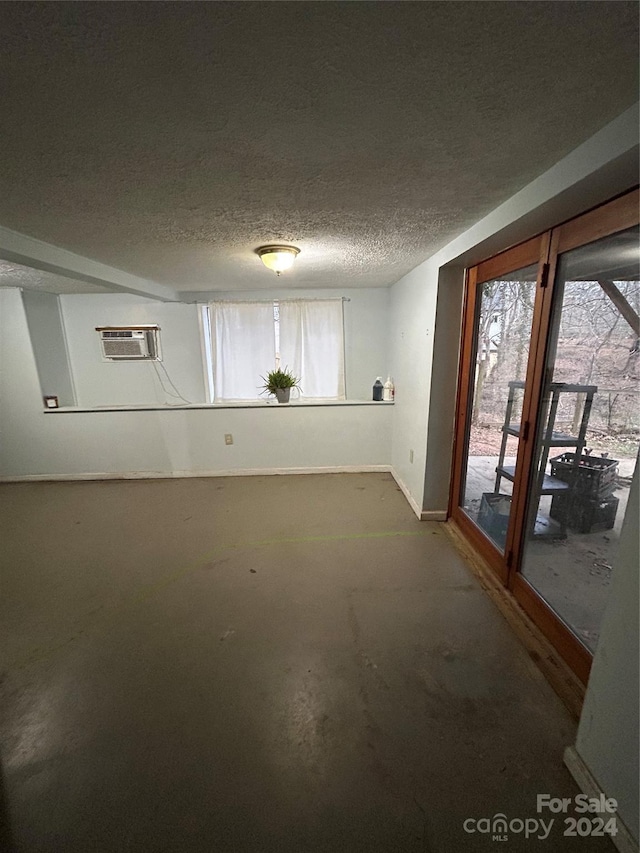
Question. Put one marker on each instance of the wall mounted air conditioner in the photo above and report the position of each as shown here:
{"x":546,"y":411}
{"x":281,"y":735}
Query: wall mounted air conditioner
{"x":129,"y":343}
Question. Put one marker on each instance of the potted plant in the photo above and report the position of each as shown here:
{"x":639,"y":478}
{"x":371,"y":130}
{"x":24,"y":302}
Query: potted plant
{"x":280,"y":383}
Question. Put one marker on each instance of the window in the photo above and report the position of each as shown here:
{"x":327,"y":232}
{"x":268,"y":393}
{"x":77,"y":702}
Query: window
{"x":244,"y":340}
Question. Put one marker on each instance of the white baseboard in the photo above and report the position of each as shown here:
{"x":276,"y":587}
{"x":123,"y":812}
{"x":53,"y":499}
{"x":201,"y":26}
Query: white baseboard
{"x":623,"y":840}
{"x":169,"y":475}
{"x":433,"y":515}
{"x":429,"y":515}
{"x":423,"y":515}
{"x":405,"y":491}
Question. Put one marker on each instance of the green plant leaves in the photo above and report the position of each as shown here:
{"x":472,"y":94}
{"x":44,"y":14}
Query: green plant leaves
{"x":276,"y":379}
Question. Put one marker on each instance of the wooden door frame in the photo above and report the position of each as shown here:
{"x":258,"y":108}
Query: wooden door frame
{"x":613,"y":216}
{"x":525,"y":254}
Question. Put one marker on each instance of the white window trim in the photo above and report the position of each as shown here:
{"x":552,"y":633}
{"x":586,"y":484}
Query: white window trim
{"x":204,"y":319}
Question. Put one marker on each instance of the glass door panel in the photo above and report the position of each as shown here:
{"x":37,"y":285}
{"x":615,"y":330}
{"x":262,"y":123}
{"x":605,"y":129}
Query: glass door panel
{"x":588,"y":431}
{"x":503,"y":321}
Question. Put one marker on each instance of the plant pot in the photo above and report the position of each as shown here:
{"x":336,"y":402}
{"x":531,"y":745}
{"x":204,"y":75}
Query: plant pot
{"x":283,"y":394}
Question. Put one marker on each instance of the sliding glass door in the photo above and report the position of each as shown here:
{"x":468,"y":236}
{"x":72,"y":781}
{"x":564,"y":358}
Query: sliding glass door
{"x":548,"y":421}
{"x":587,"y":434}
{"x":502,"y":295}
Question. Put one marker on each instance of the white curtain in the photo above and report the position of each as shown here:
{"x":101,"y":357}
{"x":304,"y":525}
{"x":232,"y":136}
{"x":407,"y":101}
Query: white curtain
{"x":312,"y":346}
{"x":244,"y":348}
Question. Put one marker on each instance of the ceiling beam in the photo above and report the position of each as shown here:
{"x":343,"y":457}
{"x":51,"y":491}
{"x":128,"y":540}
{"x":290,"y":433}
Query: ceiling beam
{"x":22,"y":249}
{"x":622,"y":305}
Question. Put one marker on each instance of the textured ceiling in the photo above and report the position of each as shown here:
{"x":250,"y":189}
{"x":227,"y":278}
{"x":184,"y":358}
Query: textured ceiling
{"x":16,"y":275}
{"x":170,"y":140}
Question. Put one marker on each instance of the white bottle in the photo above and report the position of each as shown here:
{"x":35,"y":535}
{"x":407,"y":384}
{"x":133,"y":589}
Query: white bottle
{"x":388,"y":390}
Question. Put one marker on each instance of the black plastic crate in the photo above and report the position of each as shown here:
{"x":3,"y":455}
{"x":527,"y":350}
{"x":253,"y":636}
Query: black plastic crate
{"x":493,"y":516}
{"x":594,"y":477}
{"x":584,"y":515}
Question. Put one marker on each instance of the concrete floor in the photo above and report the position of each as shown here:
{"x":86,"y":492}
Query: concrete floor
{"x":260,"y":664}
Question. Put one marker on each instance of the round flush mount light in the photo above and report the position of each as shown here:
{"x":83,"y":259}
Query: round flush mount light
{"x":278,"y":258}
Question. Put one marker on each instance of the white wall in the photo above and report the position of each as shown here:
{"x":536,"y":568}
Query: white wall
{"x":608,"y":740}
{"x":606,"y":164}
{"x":33,"y":442}
{"x":413,"y":308}
{"x":444,"y":378}
{"x":114,"y":383}
{"x":49,"y":345}
{"x":100,"y":383}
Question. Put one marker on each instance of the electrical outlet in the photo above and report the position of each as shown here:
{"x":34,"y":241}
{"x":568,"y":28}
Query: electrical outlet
{"x":411,"y":456}
{"x":228,"y":438}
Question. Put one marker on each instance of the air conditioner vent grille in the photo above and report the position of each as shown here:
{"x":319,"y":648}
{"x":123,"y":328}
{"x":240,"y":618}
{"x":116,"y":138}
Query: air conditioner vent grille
{"x":121,"y":347}
{"x":134,"y":343}
{"x":123,"y":333}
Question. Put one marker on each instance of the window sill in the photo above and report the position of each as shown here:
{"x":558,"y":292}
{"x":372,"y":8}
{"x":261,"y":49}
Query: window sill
{"x":197,"y":406}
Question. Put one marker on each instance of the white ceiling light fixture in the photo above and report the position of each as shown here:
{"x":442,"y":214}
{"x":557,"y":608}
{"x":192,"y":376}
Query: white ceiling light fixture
{"x":278,"y":258}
